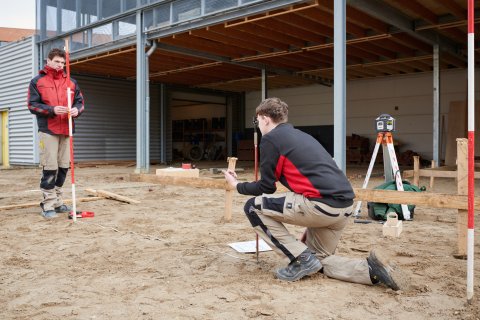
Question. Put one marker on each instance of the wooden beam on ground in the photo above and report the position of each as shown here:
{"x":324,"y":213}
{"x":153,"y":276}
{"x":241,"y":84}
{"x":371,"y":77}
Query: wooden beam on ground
{"x":36,"y":204}
{"x":427,"y":199}
{"x":435,"y":172}
{"x":111,"y":195}
{"x":180,"y":181}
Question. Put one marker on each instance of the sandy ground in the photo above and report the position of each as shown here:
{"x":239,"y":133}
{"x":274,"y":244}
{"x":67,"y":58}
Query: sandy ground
{"x":168,"y":258}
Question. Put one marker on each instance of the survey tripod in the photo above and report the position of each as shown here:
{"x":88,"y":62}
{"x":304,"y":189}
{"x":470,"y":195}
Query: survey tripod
{"x":385,"y":124}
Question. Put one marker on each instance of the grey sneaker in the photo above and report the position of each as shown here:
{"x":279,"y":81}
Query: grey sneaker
{"x":63,"y":208}
{"x":305,"y":264}
{"x":382,"y":271}
{"x":49,"y":214}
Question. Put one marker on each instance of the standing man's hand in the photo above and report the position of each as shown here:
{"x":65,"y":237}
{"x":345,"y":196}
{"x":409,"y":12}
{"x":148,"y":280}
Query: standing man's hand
{"x":231,"y":178}
{"x":74,"y":112}
{"x":60,"y":110}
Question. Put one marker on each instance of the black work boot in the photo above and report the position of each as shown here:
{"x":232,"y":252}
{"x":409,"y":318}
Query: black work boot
{"x":305,"y":264}
{"x":381,"y":271}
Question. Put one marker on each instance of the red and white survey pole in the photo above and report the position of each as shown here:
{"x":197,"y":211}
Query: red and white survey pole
{"x":471,"y":149}
{"x":70,"y":131}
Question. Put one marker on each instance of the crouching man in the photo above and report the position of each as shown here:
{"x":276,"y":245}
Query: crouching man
{"x":320,"y":199}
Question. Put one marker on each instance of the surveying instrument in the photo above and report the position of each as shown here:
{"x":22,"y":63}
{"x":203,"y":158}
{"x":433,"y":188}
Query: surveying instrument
{"x":385,"y":125}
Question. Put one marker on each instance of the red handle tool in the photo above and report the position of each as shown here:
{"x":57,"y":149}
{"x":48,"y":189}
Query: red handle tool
{"x":82,"y":214}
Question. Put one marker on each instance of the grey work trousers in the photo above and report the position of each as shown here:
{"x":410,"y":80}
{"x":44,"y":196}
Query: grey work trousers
{"x":324,"y":225}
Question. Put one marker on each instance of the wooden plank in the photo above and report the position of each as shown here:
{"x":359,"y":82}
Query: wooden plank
{"x":36,"y":204}
{"x":180,"y":181}
{"x":427,"y":199}
{"x":435,"y":173}
{"x":111,"y":195}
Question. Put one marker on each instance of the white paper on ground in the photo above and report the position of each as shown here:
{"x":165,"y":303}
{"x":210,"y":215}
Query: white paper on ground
{"x":250,"y":246}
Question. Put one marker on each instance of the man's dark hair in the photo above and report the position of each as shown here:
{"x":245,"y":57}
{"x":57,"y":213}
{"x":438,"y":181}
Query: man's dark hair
{"x":274,"y":108}
{"x":56,"y":52}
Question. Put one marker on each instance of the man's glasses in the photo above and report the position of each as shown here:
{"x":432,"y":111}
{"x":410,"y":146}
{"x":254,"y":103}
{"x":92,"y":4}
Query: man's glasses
{"x":255,"y":121}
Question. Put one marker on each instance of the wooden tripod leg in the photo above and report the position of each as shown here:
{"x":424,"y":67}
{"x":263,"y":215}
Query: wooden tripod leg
{"x":232,"y":161}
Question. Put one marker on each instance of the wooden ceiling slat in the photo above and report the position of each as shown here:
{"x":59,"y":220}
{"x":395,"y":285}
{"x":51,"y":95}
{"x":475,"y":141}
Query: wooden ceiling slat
{"x":454,"y":8}
{"x":413,"y":7}
{"x":375,"y":49}
{"x":323,"y":17}
{"x":308,"y":26}
{"x":208,"y":45}
{"x":289,"y":29}
{"x":271,"y":34}
{"x":229,"y":41}
{"x":412,"y":42}
{"x":239,"y":35}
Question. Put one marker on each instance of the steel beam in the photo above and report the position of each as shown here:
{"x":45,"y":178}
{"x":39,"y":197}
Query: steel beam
{"x":391,"y":16}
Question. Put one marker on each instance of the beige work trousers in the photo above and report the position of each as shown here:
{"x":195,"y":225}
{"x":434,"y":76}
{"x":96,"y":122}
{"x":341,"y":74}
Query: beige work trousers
{"x":54,"y":153}
{"x":324,"y":225}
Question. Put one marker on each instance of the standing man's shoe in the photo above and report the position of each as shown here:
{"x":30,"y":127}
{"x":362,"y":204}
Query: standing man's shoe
{"x":63,"y":208}
{"x":305,"y":264}
{"x":49,"y":214}
{"x":382,"y":271}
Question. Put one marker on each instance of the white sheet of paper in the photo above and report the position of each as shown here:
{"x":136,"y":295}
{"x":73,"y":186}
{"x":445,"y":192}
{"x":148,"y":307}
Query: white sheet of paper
{"x":250,"y":246}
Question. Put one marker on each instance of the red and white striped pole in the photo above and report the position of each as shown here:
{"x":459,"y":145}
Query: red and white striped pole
{"x":471,"y":149}
{"x":70,"y":132}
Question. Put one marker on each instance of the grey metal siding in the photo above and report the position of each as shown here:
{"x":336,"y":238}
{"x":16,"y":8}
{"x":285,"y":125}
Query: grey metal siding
{"x":17,"y":65}
{"x":106,"y":130}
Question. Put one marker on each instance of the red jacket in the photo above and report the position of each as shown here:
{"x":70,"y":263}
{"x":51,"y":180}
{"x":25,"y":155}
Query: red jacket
{"x":48,"y":90}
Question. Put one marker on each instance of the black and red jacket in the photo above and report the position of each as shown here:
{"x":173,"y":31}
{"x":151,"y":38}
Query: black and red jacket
{"x":48,"y":90}
{"x":300,"y":163}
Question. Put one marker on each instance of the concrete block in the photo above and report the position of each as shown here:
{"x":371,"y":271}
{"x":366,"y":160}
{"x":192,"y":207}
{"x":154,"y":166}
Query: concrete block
{"x":392,"y":227}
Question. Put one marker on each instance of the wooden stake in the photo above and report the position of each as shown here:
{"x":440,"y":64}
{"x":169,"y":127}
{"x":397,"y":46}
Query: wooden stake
{"x":432,"y":179}
{"x":232,"y":161}
{"x":462,"y":190}
{"x":416,"y":169}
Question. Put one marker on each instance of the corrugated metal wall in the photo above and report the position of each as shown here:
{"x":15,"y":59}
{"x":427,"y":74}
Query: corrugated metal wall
{"x":107,"y":129}
{"x":16,"y":72}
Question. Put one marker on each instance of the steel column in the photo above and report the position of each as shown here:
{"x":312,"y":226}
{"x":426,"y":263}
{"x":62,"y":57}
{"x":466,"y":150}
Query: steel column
{"x":143,"y":126}
{"x":339,"y":87}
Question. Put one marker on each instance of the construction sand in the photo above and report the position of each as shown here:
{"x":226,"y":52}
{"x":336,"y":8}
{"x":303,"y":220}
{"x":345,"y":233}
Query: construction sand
{"x":168,"y":258}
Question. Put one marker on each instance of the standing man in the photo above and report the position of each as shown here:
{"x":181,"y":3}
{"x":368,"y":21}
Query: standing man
{"x":47,"y":99}
{"x":320,"y":199}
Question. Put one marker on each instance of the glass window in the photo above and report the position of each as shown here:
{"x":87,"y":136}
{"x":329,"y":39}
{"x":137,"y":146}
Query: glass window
{"x":127,"y":26}
{"x":130,"y":4}
{"x":68,"y":15}
{"x":79,"y":41}
{"x":102,"y":34}
{"x":88,"y":12}
{"x":110,"y":8}
{"x":216,"y":5}
{"x":148,"y":19}
{"x":186,"y":10}
{"x":162,"y":15}
{"x":51,"y":21}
